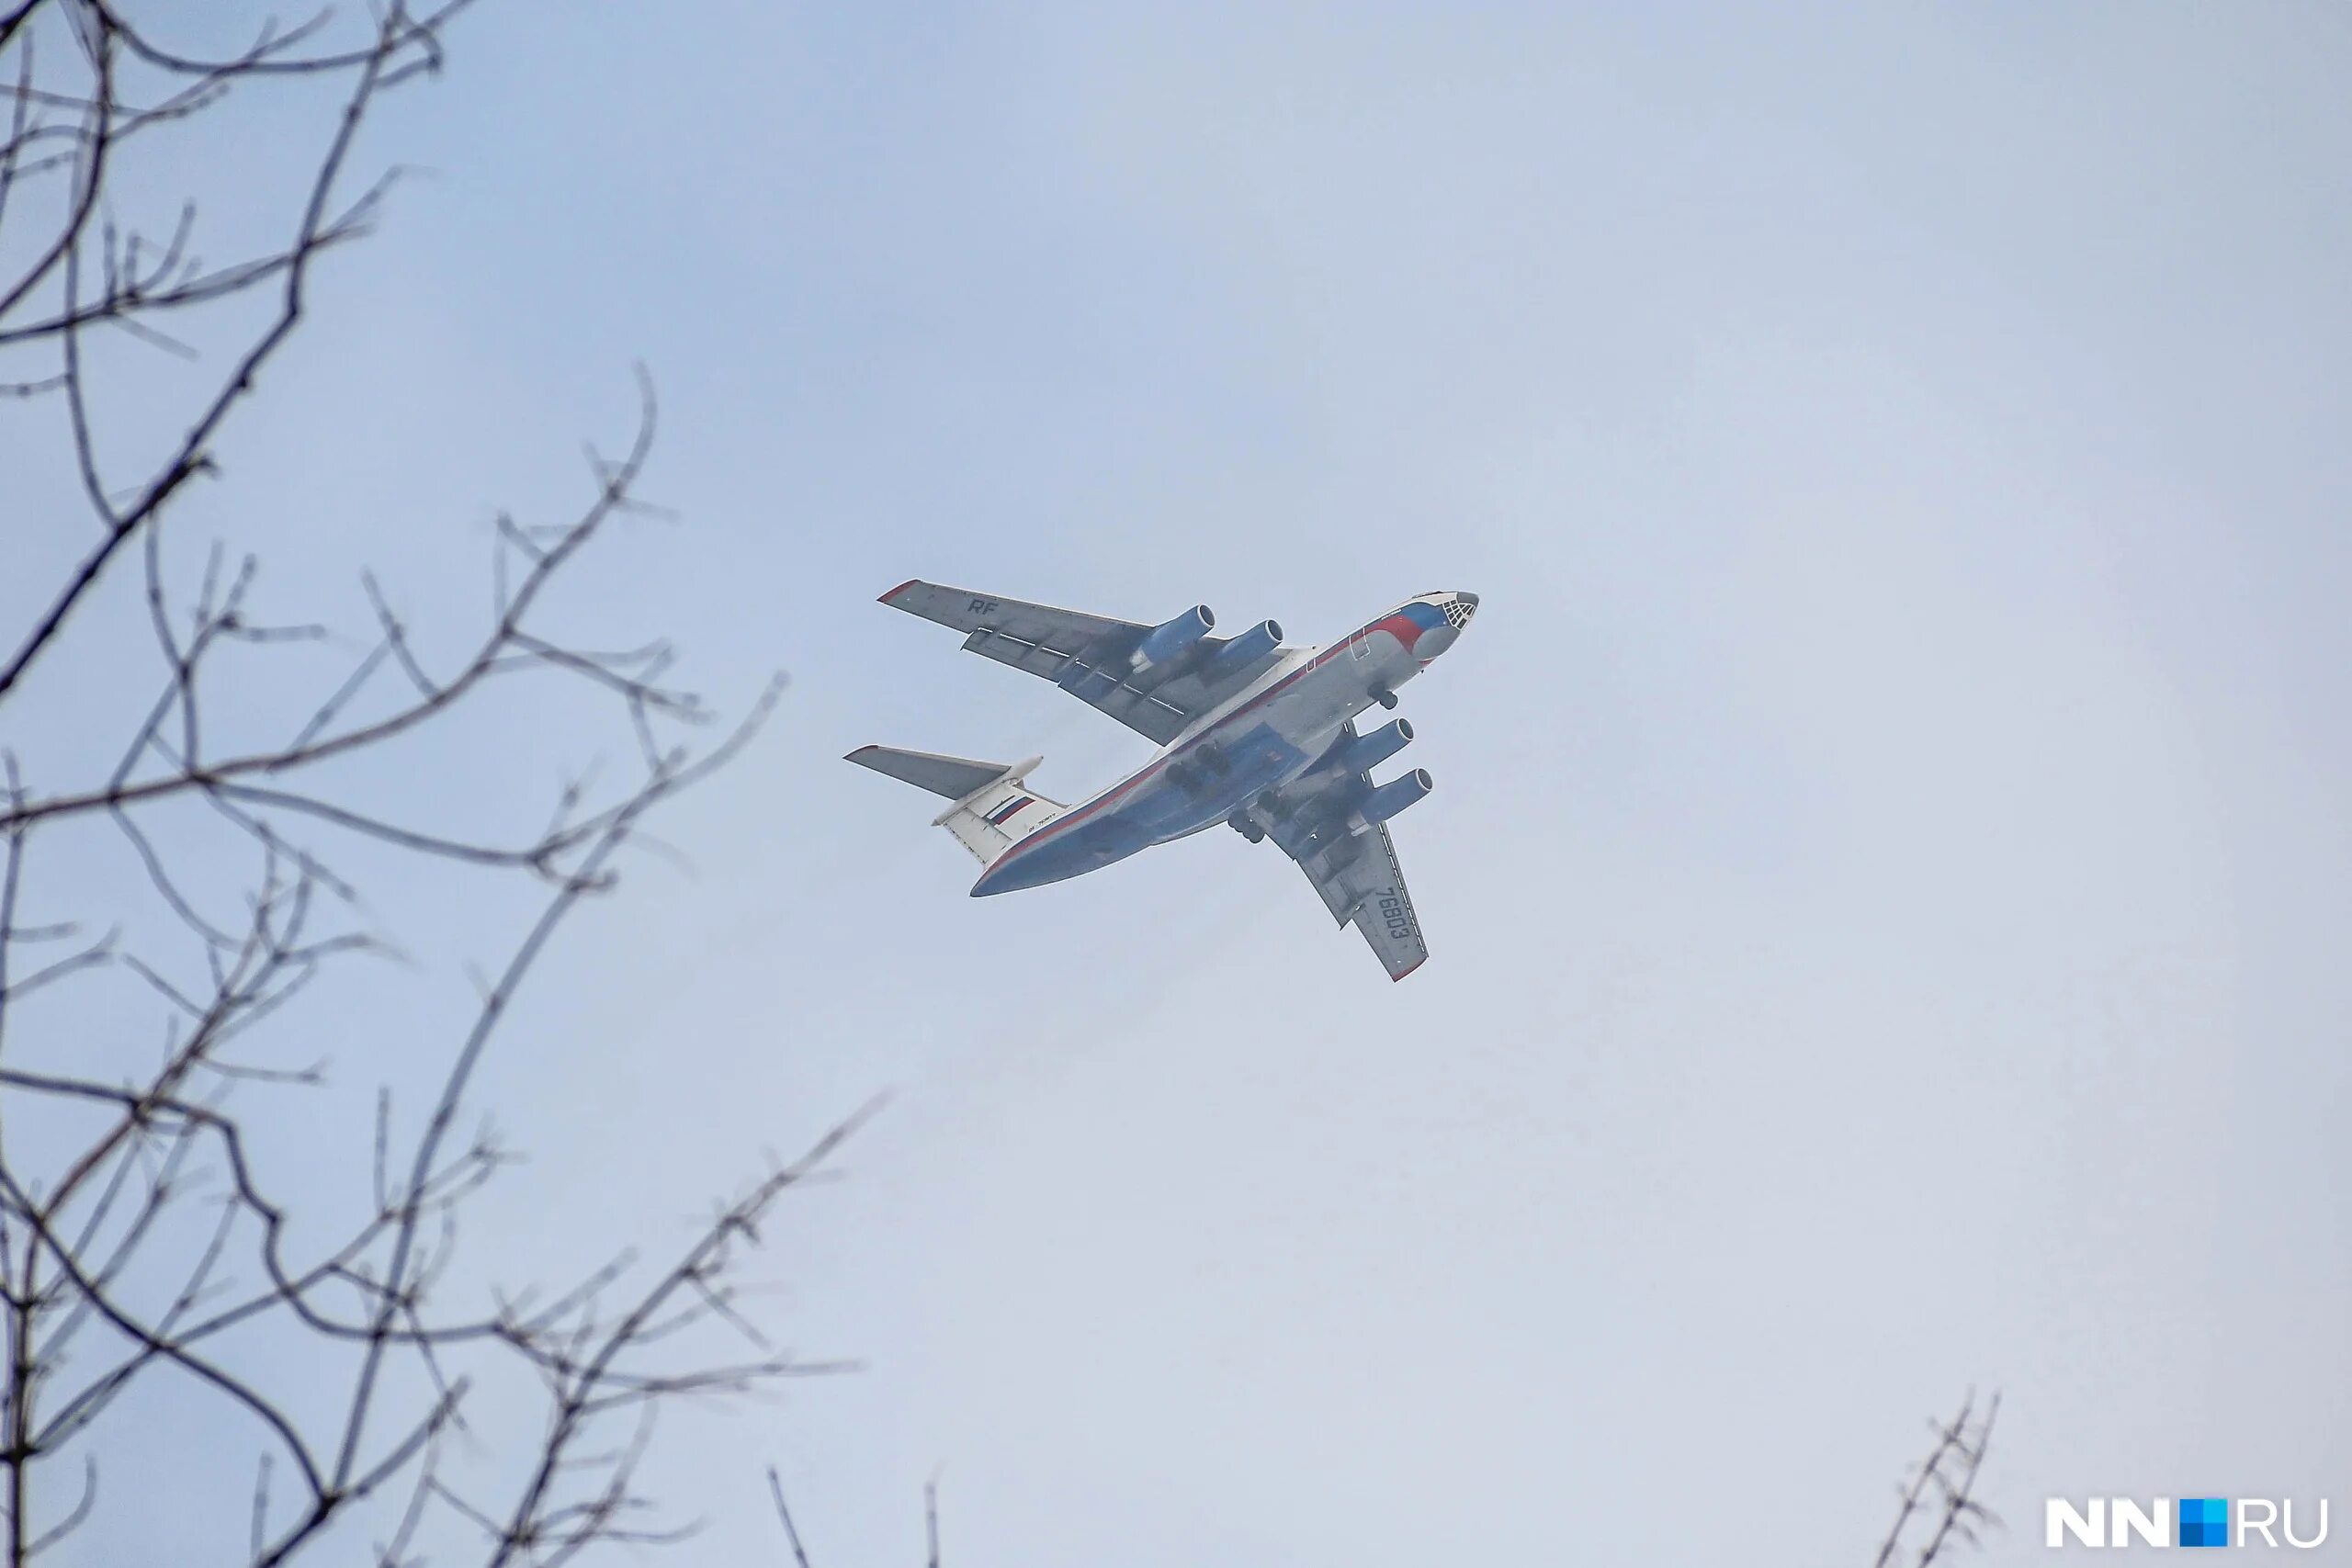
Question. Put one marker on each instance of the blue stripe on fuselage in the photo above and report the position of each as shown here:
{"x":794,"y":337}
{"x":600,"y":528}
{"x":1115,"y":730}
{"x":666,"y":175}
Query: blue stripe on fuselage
{"x":1213,"y":781}
{"x":1151,"y":808}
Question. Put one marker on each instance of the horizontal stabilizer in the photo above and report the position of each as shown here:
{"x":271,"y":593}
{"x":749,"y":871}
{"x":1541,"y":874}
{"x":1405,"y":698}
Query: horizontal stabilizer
{"x":991,"y":806}
{"x":953,"y":777}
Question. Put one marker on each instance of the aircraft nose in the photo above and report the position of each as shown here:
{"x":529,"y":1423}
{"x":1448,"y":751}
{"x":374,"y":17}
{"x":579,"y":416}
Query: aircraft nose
{"x":1459,"y":608}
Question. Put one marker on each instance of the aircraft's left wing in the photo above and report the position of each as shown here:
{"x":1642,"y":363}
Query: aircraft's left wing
{"x":1369,"y":891}
{"x":1088,"y":656}
{"x":1356,"y":875}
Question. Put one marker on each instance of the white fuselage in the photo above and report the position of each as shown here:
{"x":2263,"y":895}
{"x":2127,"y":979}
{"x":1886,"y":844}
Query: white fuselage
{"x":1263,"y":737}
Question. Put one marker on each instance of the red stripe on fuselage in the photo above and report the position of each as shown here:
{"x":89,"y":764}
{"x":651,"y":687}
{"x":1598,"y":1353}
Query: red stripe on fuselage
{"x":1401,"y":626}
{"x":1055,"y":829}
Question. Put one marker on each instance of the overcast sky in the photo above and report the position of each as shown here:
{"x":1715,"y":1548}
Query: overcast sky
{"x":1886,"y":878}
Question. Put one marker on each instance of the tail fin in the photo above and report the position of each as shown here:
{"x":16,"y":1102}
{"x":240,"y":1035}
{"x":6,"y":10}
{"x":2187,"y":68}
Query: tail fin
{"x":993,"y":807}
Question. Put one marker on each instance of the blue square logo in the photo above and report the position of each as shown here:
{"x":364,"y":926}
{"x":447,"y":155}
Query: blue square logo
{"x":2204,"y":1521}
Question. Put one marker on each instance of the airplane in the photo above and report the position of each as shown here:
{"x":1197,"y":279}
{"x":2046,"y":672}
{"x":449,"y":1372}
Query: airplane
{"x":1253,"y":732}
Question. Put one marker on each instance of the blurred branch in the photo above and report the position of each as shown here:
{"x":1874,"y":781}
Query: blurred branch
{"x":792,"y":1532}
{"x":90,"y":118}
{"x":148,"y":1237}
{"x":1939,"y":1504}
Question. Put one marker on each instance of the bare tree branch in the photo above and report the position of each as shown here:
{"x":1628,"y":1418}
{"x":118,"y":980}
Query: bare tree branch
{"x":1938,"y":1500}
{"x":152,"y":1236}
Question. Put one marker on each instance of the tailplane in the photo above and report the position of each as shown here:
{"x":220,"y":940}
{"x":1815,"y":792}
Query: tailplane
{"x":993,"y":806}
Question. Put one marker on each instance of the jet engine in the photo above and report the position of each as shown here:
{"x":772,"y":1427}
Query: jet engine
{"x":1243,"y":650}
{"x":1367,"y":752}
{"x":1390,"y":798}
{"x":1168,"y":646}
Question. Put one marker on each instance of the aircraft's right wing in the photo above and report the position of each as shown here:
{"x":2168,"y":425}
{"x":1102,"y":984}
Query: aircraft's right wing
{"x":1356,"y":875}
{"x":1088,"y":656}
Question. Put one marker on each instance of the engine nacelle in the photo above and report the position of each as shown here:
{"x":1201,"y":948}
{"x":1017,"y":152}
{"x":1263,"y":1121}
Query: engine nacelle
{"x":1390,"y":798}
{"x":1243,"y":650}
{"x":1367,"y":752}
{"x":1165,"y":648}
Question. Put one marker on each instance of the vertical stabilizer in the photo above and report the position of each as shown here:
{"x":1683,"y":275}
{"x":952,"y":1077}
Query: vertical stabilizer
{"x":993,"y":807}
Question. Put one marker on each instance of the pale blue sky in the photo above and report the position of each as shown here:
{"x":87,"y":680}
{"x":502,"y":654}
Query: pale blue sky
{"x":1885,"y":880}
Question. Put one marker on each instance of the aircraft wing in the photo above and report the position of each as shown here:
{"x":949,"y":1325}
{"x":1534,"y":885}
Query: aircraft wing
{"x":1356,"y":875}
{"x":1085,"y":655}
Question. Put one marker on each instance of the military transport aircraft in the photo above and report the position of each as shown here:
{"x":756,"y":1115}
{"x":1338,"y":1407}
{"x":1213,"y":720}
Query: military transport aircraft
{"x":1251,"y":732}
